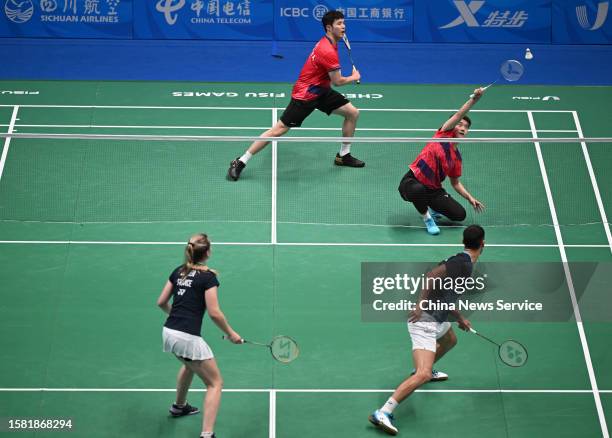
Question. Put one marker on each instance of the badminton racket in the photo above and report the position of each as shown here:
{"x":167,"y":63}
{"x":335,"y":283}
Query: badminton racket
{"x":348,"y":49}
{"x":283,"y":348}
{"x":510,"y":70}
{"x":511,"y":352}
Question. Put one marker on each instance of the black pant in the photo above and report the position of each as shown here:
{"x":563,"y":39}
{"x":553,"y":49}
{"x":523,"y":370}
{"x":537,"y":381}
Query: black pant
{"x":422,"y":197}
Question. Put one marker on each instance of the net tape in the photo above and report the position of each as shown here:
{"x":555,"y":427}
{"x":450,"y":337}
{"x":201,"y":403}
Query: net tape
{"x":239,"y":138}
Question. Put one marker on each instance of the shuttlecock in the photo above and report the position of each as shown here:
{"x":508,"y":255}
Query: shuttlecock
{"x":528,"y":54}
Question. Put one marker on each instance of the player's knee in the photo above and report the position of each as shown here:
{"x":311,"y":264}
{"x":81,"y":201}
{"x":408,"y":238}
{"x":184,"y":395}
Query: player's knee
{"x":352,"y":114}
{"x":458,"y":215}
{"x":277,"y":131}
{"x":215,"y":382}
{"x":423,"y":375}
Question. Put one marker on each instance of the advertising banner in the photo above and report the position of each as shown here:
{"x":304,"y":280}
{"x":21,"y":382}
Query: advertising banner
{"x":376,"y":21}
{"x":209,"y":19}
{"x":66,"y":18}
{"x":582,"y":22}
{"x":482,"y":21}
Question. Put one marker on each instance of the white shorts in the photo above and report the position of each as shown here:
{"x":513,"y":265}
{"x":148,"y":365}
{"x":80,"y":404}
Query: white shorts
{"x":424,"y":334}
{"x":185,"y":345}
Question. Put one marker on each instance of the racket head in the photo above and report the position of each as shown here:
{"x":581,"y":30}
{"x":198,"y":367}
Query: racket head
{"x":511,"y":70}
{"x":284,"y":349}
{"x":513,"y":353}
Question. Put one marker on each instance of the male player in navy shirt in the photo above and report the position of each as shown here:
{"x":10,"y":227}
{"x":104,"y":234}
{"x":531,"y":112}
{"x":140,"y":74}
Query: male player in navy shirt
{"x":430,"y":331}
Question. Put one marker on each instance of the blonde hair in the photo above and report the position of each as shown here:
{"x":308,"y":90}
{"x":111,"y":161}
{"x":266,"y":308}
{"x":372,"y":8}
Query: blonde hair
{"x":196,"y":253}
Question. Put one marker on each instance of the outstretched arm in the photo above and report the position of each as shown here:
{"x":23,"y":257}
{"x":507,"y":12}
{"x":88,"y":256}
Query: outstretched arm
{"x":455,"y":118}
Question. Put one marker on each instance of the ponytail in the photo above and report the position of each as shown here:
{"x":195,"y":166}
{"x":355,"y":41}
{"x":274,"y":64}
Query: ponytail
{"x":196,"y":253}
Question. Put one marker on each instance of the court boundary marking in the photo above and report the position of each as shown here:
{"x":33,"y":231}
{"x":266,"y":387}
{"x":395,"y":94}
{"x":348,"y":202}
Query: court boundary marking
{"x":242,"y":108}
{"x":7,"y":140}
{"x":339,"y":244}
{"x":569,"y":279}
{"x":591,"y":171}
{"x":313,"y":390}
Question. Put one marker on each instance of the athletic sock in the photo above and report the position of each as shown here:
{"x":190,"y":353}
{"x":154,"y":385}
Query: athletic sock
{"x":207,"y":434}
{"x":426,"y":216}
{"x":246,"y":157}
{"x":389,"y":406}
{"x":345,"y":149}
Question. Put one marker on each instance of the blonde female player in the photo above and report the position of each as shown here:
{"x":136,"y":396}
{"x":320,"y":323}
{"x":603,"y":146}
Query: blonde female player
{"x":193,"y":286}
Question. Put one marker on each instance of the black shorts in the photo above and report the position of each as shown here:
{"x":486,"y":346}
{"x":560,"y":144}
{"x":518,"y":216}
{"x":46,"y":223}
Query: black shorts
{"x":412,"y":190}
{"x":298,"y":110}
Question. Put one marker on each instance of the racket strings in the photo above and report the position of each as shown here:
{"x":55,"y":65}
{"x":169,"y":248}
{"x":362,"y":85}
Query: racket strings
{"x":284,"y":349}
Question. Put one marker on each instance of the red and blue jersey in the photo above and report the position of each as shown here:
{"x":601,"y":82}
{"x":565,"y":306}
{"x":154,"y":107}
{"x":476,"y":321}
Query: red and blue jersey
{"x":437,"y":160}
{"x":314,"y":77}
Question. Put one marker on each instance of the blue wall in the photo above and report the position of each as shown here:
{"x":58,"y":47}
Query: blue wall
{"x":238,"y":61}
{"x":397,"y":41}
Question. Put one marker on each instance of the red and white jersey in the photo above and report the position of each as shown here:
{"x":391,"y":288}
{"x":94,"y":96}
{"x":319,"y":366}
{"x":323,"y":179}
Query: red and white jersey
{"x":437,"y":160}
{"x":314,"y":77}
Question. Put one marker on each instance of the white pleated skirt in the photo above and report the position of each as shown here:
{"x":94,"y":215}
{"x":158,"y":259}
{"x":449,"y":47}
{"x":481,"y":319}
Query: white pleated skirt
{"x":185,"y":345}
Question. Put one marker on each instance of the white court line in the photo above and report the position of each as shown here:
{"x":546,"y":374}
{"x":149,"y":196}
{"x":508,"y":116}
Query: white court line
{"x":148,"y":107}
{"x":281,"y":108}
{"x":274,"y":179}
{"x":570,"y":283}
{"x":340,"y":244}
{"x":587,"y":159}
{"x":313,"y":391}
{"x":7,"y":140}
{"x":264,"y":128}
{"x":272,"y":426}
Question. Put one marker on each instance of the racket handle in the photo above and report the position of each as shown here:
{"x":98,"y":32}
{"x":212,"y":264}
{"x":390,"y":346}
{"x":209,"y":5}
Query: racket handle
{"x":358,"y":81}
{"x":473,"y":331}
{"x":483,"y":89}
{"x":225,"y":337}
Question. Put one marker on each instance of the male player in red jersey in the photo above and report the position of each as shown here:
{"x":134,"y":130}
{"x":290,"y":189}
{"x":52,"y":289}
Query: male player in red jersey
{"x":422,"y":185}
{"x":313,"y":91}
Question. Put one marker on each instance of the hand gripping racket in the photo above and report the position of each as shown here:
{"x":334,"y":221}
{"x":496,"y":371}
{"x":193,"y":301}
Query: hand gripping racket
{"x":348,"y":49}
{"x":510,"y":70}
{"x":283,"y":348}
{"x":511,"y":352}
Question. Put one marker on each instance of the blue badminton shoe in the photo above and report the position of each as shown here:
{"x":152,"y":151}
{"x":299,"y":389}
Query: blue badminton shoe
{"x":432,"y":228}
{"x":435,"y":215}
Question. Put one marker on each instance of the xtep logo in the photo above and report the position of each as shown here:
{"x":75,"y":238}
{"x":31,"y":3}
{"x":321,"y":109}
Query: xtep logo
{"x":467,"y":12}
{"x":583,"y":18}
{"x":167,"y":7}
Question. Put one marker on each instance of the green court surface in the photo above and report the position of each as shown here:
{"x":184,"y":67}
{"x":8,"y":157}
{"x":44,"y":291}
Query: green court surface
{"x":90,"y":230}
